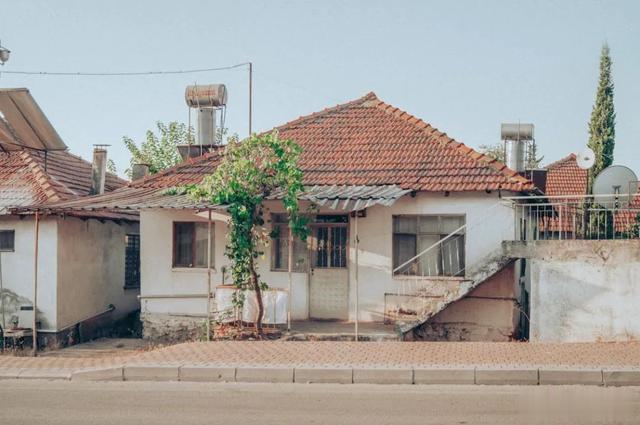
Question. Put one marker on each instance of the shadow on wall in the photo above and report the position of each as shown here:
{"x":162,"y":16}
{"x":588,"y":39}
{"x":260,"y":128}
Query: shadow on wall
{"x":12,"y":303}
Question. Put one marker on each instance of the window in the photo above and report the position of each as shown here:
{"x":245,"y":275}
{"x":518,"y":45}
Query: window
{"x":132,"y":261}
{"x":330,"y":241}
{"x":280,"y":247}
{"x":414,"y":234}
{"x":190,"y":244}
{"x":7,"y":240}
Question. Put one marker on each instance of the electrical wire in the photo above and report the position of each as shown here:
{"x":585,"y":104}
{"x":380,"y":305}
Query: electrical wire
{"x":115,"y":74}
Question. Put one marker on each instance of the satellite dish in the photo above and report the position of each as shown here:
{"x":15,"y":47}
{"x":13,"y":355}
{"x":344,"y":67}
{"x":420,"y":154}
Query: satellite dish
{"x":615,"y":180}
{"x":586,"y":159}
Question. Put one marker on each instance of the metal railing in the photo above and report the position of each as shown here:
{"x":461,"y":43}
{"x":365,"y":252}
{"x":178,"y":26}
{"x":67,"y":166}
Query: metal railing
{"x":443,"y":262}
{"x":586,"y":217}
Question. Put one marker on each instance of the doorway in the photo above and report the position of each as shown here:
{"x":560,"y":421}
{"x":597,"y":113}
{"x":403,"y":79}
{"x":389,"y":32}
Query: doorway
{"x":329,"y":274}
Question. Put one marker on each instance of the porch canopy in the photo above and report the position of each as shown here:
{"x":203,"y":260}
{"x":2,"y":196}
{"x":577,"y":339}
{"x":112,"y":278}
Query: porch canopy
{"x":131,"y":199}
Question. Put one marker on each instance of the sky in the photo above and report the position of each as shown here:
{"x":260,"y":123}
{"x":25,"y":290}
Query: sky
{"x":463,"y":66}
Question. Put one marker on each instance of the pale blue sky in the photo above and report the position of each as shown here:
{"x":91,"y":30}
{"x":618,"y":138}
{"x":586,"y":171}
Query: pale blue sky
{"x":463,"y":66}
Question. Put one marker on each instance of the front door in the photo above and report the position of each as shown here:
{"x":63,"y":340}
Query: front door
{"x":329,"y":282}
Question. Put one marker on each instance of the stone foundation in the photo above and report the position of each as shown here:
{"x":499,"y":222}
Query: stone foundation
{"x":172,"y":328}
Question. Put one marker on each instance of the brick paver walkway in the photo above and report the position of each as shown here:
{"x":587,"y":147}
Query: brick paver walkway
{"x":352,"y":354}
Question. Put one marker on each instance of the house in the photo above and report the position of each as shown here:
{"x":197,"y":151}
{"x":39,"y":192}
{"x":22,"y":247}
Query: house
{"x":580,"y":256}
{"x":83,"y":279}
{"x":409,"y":229}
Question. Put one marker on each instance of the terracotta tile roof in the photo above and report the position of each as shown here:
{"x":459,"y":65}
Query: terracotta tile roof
{"x":25,"y":181}
{"x":365,"y":142}
{"x":368,"y":142}
{"x":564,"y":177}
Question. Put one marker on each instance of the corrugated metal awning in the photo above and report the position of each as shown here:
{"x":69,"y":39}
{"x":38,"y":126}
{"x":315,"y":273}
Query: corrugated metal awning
{"x":345,"y":198}
{"x":23,"y":125}
{"x":351,"y":197}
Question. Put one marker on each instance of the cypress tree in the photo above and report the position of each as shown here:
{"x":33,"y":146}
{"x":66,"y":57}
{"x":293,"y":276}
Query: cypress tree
{"x":602,"y":130}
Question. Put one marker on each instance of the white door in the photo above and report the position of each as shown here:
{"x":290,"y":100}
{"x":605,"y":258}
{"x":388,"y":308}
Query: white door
{"x":329,"y":287}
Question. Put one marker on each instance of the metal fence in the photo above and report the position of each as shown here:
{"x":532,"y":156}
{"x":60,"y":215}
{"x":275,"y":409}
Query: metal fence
{"x":576,"y":217}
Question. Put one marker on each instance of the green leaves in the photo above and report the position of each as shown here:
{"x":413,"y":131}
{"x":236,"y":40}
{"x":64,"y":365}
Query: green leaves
{"x":159,"y":150}
{"x":602,"y":130}
{"x":250,"y":171}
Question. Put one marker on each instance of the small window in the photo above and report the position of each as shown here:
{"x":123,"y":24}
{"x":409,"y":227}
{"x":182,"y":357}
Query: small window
{"x":7,"y":240}
{"x":190,"y":244}
{"x":413,"y":235}
{"x":132,"y":261}
{"x":280,"y":247}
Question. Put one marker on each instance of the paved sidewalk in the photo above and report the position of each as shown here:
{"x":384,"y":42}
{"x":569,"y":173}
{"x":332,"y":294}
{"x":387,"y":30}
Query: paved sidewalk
{"x":349,"y":354}
{"x":351,"y":362}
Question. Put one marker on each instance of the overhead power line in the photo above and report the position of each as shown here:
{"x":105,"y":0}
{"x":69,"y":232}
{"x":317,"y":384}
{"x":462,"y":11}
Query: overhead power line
{"x":115,"y":74}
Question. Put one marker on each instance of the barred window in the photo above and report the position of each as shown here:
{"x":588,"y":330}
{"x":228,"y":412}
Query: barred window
{"x":132,"y":261}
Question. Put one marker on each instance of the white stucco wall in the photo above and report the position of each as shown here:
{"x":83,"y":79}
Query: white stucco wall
{"x":91,"y":270}
{"x":583,"y":291}
{"x":18,"y":268}
{"x":375,"y":256}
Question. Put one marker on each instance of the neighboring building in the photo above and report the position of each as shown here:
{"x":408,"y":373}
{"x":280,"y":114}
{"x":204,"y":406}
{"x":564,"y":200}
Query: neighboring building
{"x":411,"y":187}
{"x":82,"y":284}
{"x":582,"y":260}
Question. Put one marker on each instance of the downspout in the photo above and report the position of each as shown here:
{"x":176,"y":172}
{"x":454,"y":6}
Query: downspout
{"x":209,"y":276}
{"x":35,"y":288}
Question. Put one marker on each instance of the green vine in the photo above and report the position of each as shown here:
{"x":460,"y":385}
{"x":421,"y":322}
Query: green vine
{"x":250,"y":171}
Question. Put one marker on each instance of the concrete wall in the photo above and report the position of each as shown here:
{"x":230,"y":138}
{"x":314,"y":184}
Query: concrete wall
{"x":375,"y":256}
{"x":18,"y":268}
{"x":488,"y":313}
{"x":583,"y":291}
{"x":91,"y":273}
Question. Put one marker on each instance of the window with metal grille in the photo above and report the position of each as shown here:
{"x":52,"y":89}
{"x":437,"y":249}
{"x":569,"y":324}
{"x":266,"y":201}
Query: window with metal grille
{"x":132,"y":261}
{"x":7,"y":240}
{"x":331,"y":241}
{"x":413,"y":234}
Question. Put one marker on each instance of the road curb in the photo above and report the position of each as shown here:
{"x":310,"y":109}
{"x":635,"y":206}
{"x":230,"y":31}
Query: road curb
{"x":151,"y":373}
{"x":570,"y":376}
{"x":323,"y":376}
{"x":110,"y":374}
{"x":459,"y":375}
{"x":382,"y":376}
{"x":506,"y":376}
{"x":265,"y":374}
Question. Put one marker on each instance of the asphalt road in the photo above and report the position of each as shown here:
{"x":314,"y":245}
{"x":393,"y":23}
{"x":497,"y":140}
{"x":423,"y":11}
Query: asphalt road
{"x":49,"y":402}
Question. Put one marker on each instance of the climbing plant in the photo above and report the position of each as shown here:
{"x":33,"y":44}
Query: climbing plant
{"x":249,"y":172}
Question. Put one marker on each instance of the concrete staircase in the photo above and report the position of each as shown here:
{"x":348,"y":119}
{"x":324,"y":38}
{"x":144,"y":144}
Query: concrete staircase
{"x":428,"y":296}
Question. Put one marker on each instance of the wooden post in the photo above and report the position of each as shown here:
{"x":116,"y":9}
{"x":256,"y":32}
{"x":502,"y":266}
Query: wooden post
{"x":289,"y":269}
{"x":209,"y":277}
{"x":34,"y":331}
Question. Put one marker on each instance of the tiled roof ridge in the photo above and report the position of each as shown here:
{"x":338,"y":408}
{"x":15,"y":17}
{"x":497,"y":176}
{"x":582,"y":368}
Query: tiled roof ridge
{"x":46,"y":183}
{"x":447,"y":140}
{"x":167,"y":171}
{"x":562,"y":161}
{"x":371,"y":96}
{"x":113,"y":175}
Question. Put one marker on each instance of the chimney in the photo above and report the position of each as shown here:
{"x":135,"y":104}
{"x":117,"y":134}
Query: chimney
{"x":98,"y":169}
{"x":139,"y":171}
